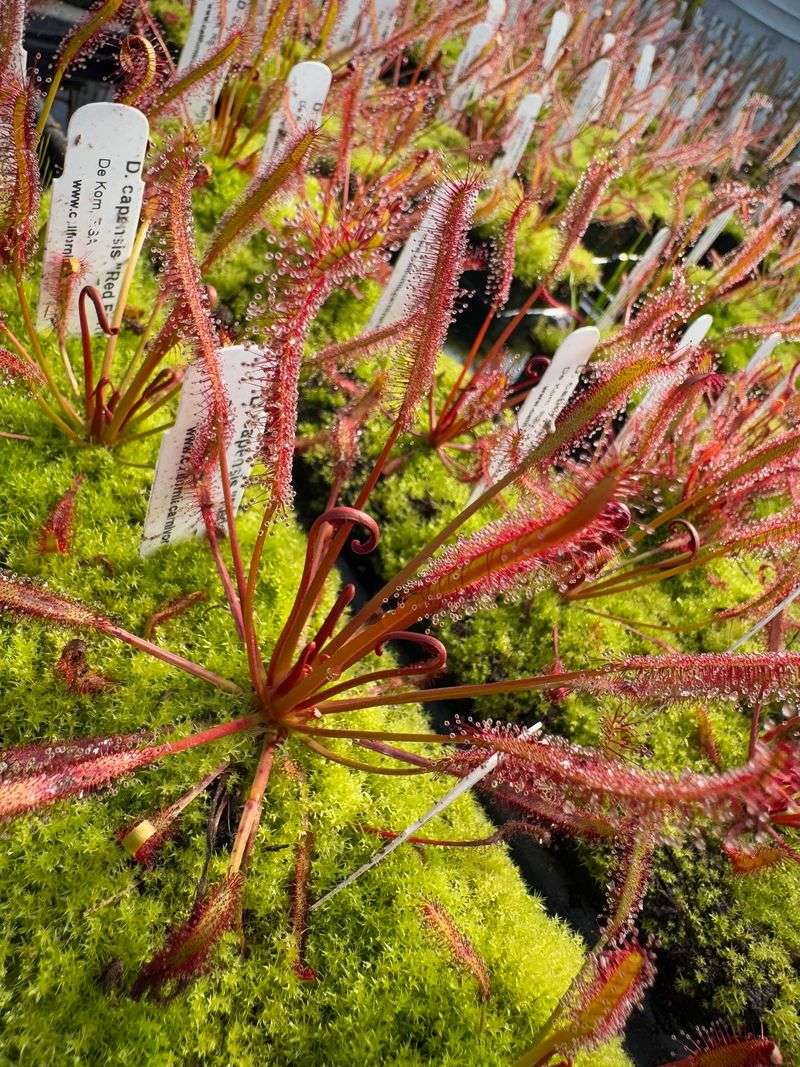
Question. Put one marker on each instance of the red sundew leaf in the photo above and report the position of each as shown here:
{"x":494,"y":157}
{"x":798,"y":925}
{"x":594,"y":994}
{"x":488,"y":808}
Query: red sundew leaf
{"x":56,"y":534}
{"x":718,"y":1047}
{"x":598,"y":1005}
{"x":582,"y":205}
{"x":724,"y":675}
{"x":37,"y":775}
{"x":300,"y":897}
{"x":502,"y":266}
{"x":15,"y":369}
{"x":591,"y":784}
{"x":172,"y":610}
{"x":751,"y":860}
{"x":188,"y":948}
{"x":20,"y":187}
{"x":505,"y":554}
{"x":191,"y":317}
{"x":144,"y":838}
{"x":458,"y":945}
{"x":19,"y":596}
{"x":436,"y":290}
{"x":76,"y":673}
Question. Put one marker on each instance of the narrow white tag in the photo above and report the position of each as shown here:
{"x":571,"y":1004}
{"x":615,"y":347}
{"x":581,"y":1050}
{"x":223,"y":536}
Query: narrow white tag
{"x":515,"y":138}
{"x":307,"y":88}
{"x":709,"y":235}
{"x":466,"y":783}
{"x":346,"y":27}
{"x":545,"y":401}
{"x":464,"y":87}
{"x":95,"y":207}
{"x":210,"y":22}
{"x":173,"y":513}
{"x":495,"y":13}
{"x":644,"y":68}
{"x":693,"y":335}
{"x":397,"y":299}
{"x":559,"y":28}
{"x":763,"y":352}
{"x":632,"y":280}
{"x":589,"y":100}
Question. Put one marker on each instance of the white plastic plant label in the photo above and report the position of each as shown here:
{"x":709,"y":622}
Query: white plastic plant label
{"x":644,"y":68}
{"x":589,"y":100}
{"x":710,"y":234}
{"x":173,"y":514}
{"x":763,"y":352}
{"x":397,"y":299}
{"x":496,"y":13}
{"x":95,"y":208}
{"x":545,"y":402}
{"x":211,"y":20}
{"x":695,"y":333}
{"x":463,"y":85}
{"x":559,"y":28}
{"x":632,"y":280}
{"x":346,"y":27}
{"x":693,"y":336}
{"x":386,"y":12}
{"x":516,"y":137}
{"x":306,"y":91}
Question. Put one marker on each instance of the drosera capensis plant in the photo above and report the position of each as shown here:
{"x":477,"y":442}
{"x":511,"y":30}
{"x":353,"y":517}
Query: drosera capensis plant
{"x":320,"y":676}
{"x":568,"y":497}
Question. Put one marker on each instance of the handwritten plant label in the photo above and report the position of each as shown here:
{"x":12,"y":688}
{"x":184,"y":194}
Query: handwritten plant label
{"x":465,"y":86}
{"x":173,"y":514}
{"x":398,"y":298}
{"x":710,"y":234}
{"x":95,"y":208}
{"x":516,"y":137}
{"x":559,"y":28}
{"x":306,"y":91}
{"x":633,"y":280}
{"x":374,"y":20}
{"x":589,"y":100}
{"x":212,"y":19}
{"x":545,"y":402}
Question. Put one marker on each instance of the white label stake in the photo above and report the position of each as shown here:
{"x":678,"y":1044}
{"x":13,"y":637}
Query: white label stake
{"x":306,"y":91}
{"x":589,"y":100}
{"x":461,"y":787}
{"x":559,"y":27}
{"x":204,"y":37}
{"x":463,"y":88}
{"x":95,"y":208}
{"x":631,"y":281}
{"x":173,"y":513}
{"x":397,"y":300}
{"x":546,"y":401}
{"x":516,"y":137}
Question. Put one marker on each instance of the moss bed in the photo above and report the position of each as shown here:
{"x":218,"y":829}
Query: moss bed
{"x":75,"y":914}
{"x":725,"y":940}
